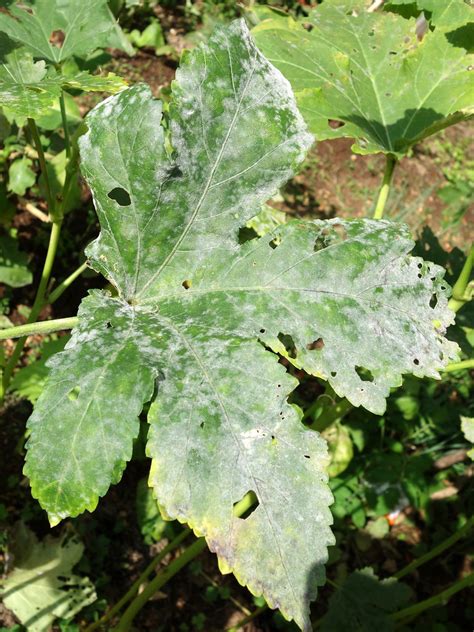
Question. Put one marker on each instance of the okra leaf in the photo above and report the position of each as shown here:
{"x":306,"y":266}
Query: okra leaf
{"x":447,"y":15}
{"x":84,"y":423}
{"x":13,"y":263}
{"x":28,"y":89}
{"x":364,"y":602}
{"x":366,"y":76}
{"x":204,"y":313}
{"x":55,"y":30}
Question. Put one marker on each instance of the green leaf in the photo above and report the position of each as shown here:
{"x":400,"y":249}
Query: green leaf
{"x":368,"y":73}
{"x":30,"y":380}
{"x":13,"y":263}
{"x":197,"y":313}
{"x":340,"y":446}
{"x":84,"y":423}
{"x":467,"y":427}
{"x":41,"y":586}
{"x":79,"y":28}
{"x":29,"y":90}
{"x":21,"y":176}
{"x":363,"y":603}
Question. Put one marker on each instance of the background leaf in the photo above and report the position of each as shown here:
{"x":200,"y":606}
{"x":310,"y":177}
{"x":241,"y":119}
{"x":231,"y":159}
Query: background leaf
{"x":79,"y":28}
{"x":364,"y":602}
{"x":41,"y":586}
{"x":13,"y":263}
{"x":366,"y":76}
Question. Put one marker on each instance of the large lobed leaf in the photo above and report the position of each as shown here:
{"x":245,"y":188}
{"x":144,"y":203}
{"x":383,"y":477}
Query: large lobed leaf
{"x":193,"y":308}
{"x":369,"y":72}
{"x":55,"y":30}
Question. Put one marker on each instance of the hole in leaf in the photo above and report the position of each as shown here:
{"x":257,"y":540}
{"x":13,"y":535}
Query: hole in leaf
{"x":365,"y":375}
{"x":433,"y":301}
{"x":420,"y":276}
{"x":416,"y":361}
{"x":419,"y":265}
{"x":262,"y":331}
{"x":186,"y":284}
{"x":120,"y":196}
{"x":108,"y":325}
{"x":340,"y":231}
{"x":288,"y":343}
{"x":246,"y":234}
{"x":315,"y":345}
{"x":333,"y":373}
{"x":248,"y":511}
{"x":74,"y":393}
{"x":306,"y":456}
{"x":274,"y":243}
{"x":57,"y":38}
{"x":201,"y":425}
{"x":393,"y":52}
{"x":335,"y":124}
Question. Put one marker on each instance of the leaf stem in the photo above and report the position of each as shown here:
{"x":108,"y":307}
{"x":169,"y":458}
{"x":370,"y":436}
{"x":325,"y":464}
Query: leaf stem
{"x":158,"y":582}
{"x":436,"y":600}
{"x":42,"y":161}
{"x":437,"y":550}
{"x":134,"y":588}
{"x":62,"y":105}
{"x":248,"y":618}
{"x":459,"y":297}
{"x":391,"y":161}
{"x":459,"y":366}
{"x":37,"y":305}
{"x":170,"y":571}
{"x":62,"y":287}
{"x":41,"y":327}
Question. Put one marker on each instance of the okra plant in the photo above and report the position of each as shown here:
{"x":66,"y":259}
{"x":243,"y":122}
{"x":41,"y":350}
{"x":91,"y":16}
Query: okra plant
{"x":196,"y":320}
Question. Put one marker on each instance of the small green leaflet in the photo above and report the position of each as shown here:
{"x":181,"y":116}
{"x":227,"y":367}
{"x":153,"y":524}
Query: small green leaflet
{"x":193,"y":308}
{"x":55,"y":30}
{"x":28,"y":89}
{"x":21,"y":176}
{"x":369,"y":73}
{"x":13,"y":263}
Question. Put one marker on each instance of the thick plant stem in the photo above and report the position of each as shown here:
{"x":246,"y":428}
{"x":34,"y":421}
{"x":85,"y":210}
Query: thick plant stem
{"x":41,"y":327}
{"x":459,"y":366}
{"x":170,"y":571}
{"x":437,"y":600}
{"x":134,"y":588}
{"x":385,"y":188}
{"x":459,"y":297}
{"x":37,"y":305}
{"x":63,"y":286}
{"x":67,"y":138}
{"x":42,"y":161}
{"x":437,"y":550}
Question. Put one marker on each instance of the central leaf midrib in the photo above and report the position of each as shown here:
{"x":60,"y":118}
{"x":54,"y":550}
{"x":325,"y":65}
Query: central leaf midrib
{"x":205,"y":190}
